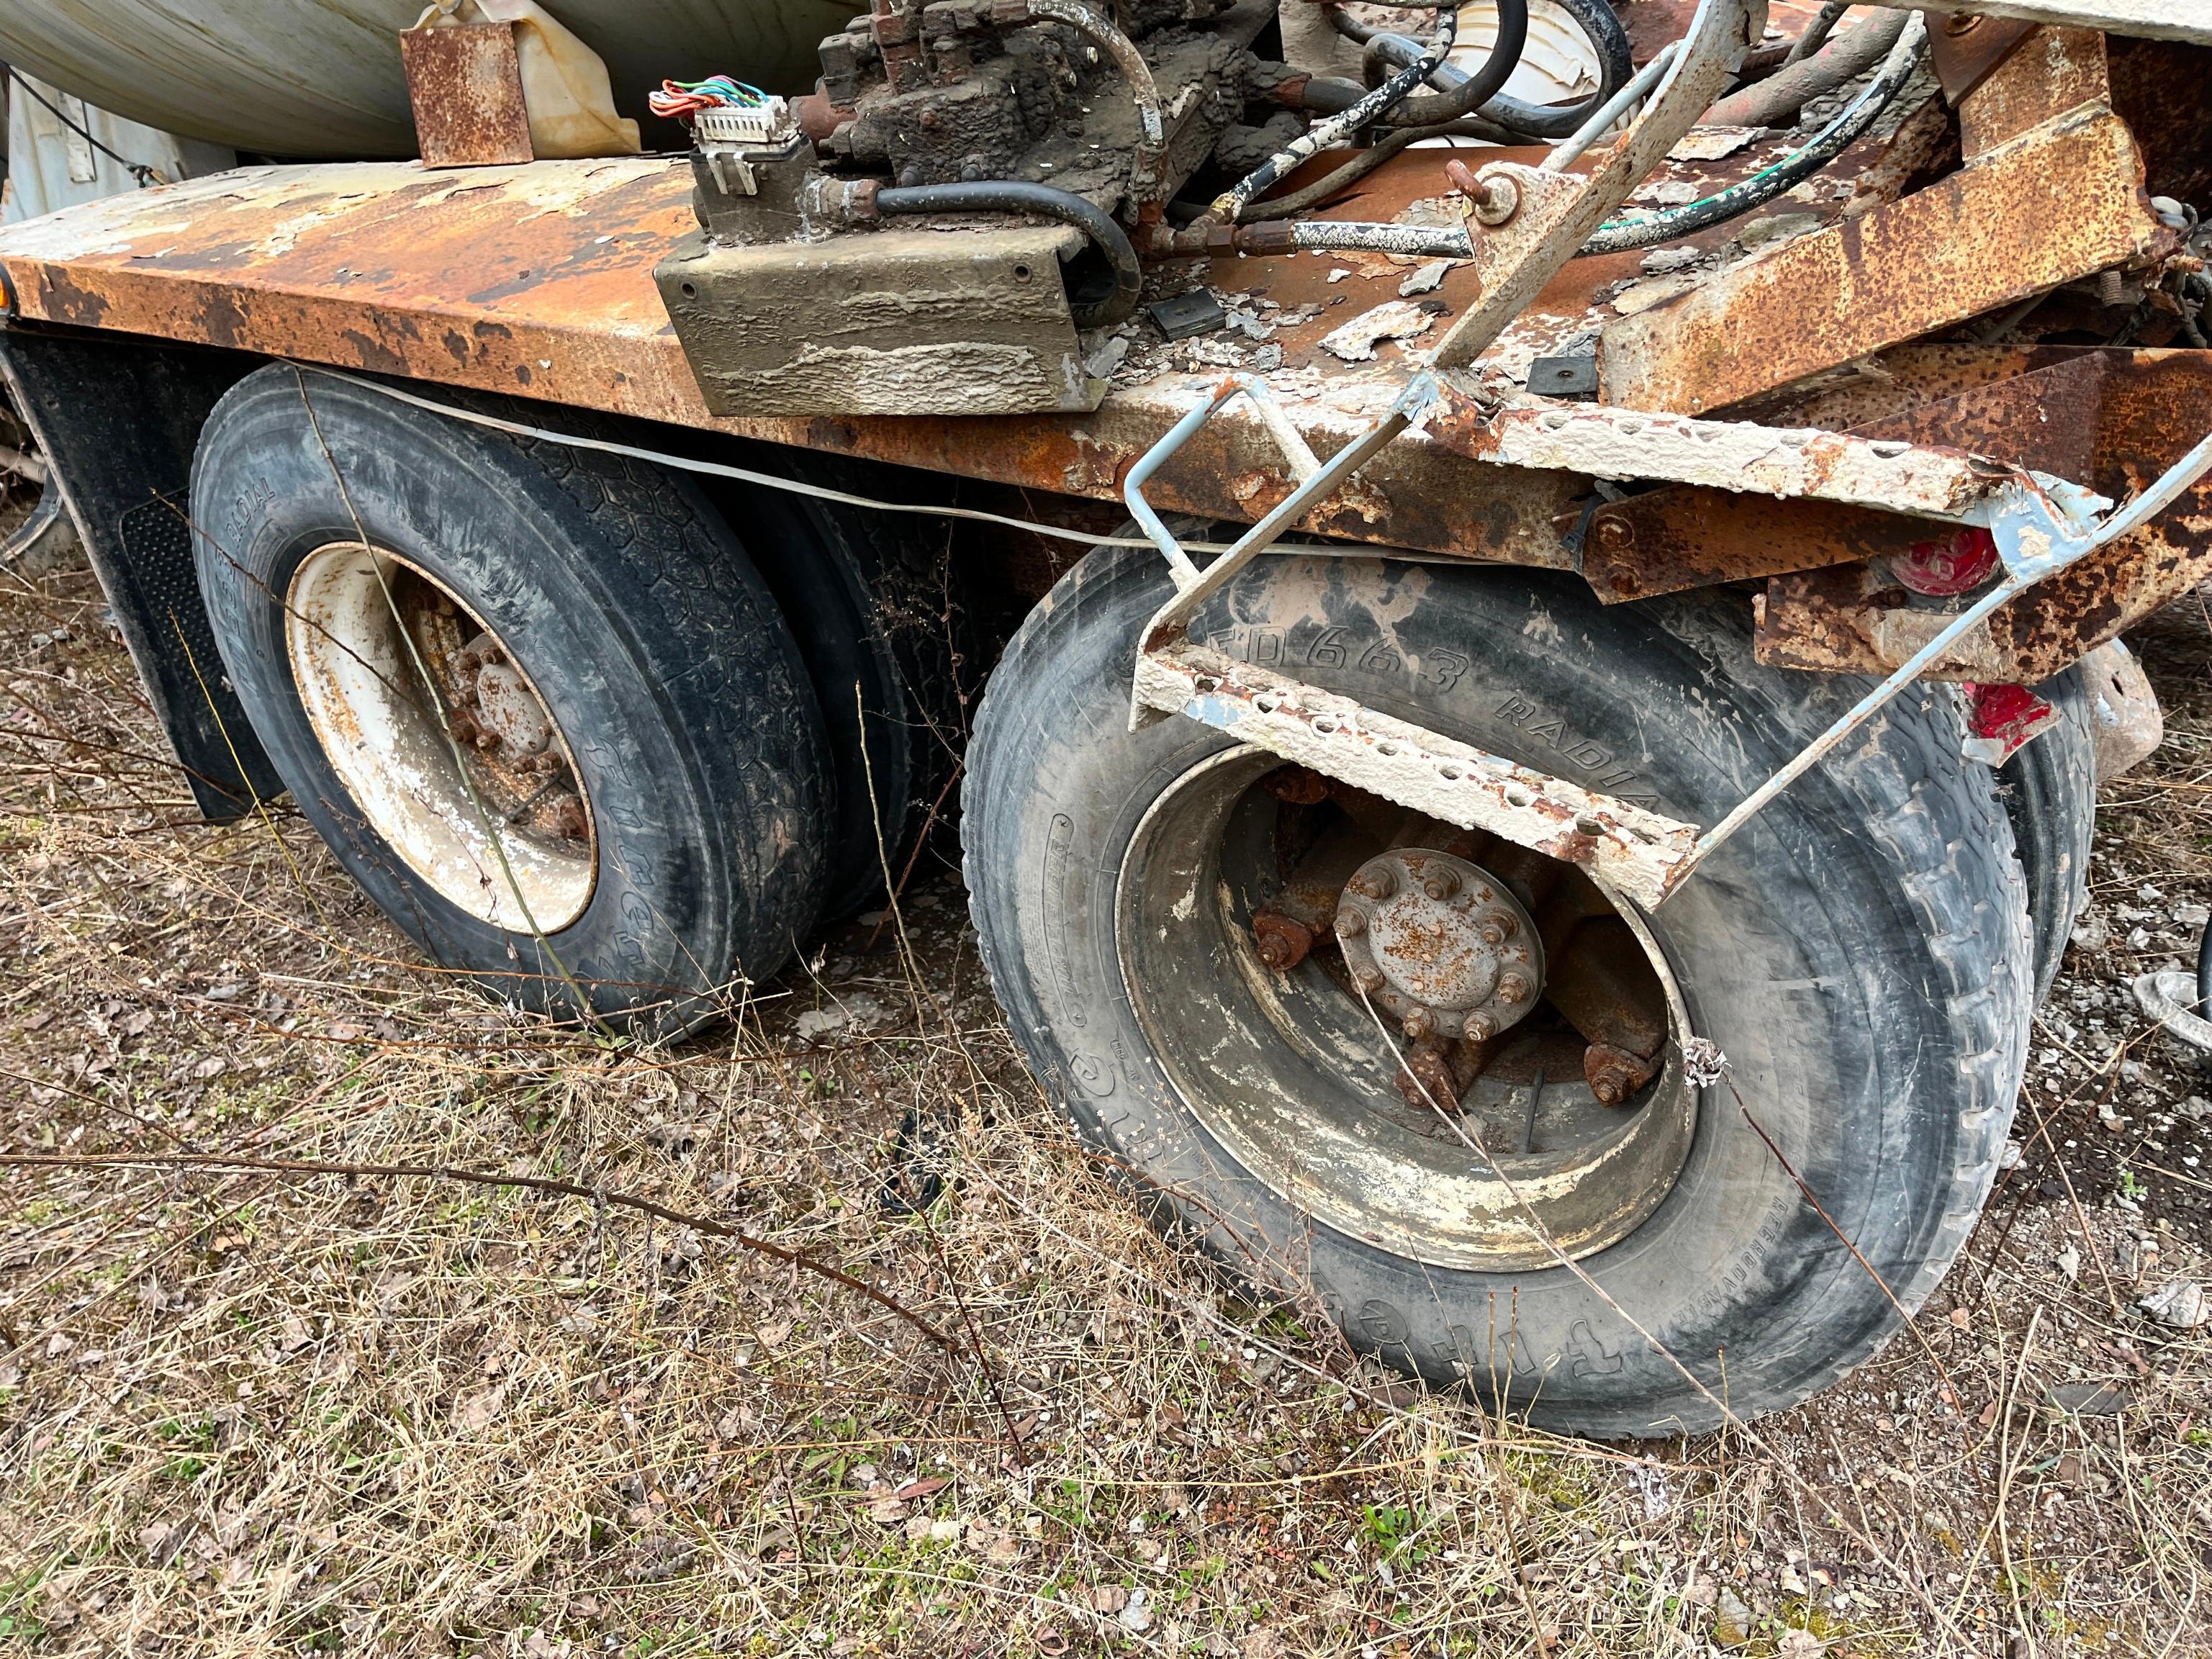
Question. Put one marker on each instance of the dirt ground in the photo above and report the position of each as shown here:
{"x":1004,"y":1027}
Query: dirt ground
{"x":250,"y":1411}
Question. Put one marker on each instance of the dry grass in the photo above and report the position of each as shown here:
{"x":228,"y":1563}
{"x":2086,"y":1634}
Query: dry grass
{"x":249,"y":1412}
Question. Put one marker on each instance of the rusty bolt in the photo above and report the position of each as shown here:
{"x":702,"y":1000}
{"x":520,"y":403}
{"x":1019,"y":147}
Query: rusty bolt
{"x":1374,"y":884}
{"x":1420,"y":1023}
{"x":487,"y":739}
{"x":1480,"y":1027}
{"x":1614,"y":1074}
{"x":1426,"y":1080}
{"x":1350,"y":924}
{"x":1282,"y":942}
{"x":1440,"y":884}
{"x":1491,"y":933}
{"x":1513,"y":990}
{"x":1369,"y":980}
{"x":1615,"y":534}
{"x":1495,"y":200}
{"x":1500,"y":923}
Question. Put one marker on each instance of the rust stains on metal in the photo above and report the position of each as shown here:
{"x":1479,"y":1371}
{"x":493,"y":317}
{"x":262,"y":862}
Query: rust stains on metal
{"x":2062,"y":203}
{"x":1858,"y":619}
{"x":2047,"y":74}
{"x":1964,"y":50}
{"x":2045,"y":419}
{"x":1668,"y":541}
{"x":464,"y":82}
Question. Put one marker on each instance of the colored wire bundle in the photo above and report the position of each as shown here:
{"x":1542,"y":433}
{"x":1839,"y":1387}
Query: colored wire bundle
{"x":679,"y":100}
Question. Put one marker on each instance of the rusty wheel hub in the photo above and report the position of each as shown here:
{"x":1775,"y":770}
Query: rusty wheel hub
{"x":1439,"y":944}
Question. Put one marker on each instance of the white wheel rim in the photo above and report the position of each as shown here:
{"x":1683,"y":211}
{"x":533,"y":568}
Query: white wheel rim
{"x":493,"y":836}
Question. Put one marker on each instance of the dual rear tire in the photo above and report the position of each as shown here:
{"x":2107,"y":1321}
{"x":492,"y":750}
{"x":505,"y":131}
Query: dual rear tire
{"x":444,"y":636}
{"x":541,"y":700}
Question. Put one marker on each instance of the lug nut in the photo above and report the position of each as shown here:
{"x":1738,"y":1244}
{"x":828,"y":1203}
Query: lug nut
{"x":1513,"y":990}
{"x":1369,"y":980}
{"x":1492,"y":934}
{"x":1275,"y":952}
{"x":1480,"y":1027}
{"x":1350,"y":924}
{"x":1374,"y":884}
{"x":1440,"y":884}
{"x":1420,"y":1023}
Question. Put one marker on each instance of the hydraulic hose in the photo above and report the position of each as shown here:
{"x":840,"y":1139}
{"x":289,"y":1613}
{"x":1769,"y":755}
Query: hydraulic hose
{"x":1842,"y":61}
{"x":1329,"y":133}
{"x":1363,"y":163}
{"x":1763,"y":186}
{"x":1598,"y":24}
{"x":1018,"y":196}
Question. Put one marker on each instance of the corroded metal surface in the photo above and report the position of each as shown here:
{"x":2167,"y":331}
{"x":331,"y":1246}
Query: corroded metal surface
{"x":1959,"y":248}
{"x":1671,"y":540}
{"x":464,"y":83}
{"x":1856,"y":619}
{"x":1633,"y":850}
{"x":1963,"y":51}
{"x":2049,"y":73}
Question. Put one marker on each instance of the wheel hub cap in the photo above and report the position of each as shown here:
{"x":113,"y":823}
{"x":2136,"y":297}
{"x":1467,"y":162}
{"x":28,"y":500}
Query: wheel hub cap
{"x":1440,"y":942}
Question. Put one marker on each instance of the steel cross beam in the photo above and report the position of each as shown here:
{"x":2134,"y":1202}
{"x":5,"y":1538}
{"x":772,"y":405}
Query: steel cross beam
{"x":2157,"y":20}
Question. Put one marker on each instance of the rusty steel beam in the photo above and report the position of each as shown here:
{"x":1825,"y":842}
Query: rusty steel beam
{"x":2062,"y":203}
{"x":2156,"y":19}
{"x":2049,"y":73}
{"x":1855,"y":619}
{"x":1670,"y":540}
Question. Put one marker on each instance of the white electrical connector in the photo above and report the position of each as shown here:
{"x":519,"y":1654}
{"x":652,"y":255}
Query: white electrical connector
{"x":768,"y":122}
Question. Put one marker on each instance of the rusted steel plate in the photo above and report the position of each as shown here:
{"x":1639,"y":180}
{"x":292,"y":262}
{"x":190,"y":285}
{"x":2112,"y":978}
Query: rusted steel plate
{"x":1850,"y":619}
{"x":2056,"y":71}
{"x":1671,"y":540}
{"x":2047,"y":210}
{"x":1964,"y":50}
{"x":464,"y":82}
{"x":2045,"y":419}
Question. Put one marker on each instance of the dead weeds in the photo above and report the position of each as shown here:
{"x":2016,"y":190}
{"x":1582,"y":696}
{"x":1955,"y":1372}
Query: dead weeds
{"x":249,"y":1411}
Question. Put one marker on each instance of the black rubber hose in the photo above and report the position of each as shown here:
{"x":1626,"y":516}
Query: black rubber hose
{"x":1018,"y":196}
{"x":1600,"y":27}
{"x":1763,"y":186}
{"x":1431,"y":109}
{"x":1332,"y":130}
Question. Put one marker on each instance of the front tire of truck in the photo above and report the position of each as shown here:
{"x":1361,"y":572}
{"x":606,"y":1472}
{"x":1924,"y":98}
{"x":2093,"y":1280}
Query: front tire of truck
{"x":1860,"y":952}
{"x":536,"y":699}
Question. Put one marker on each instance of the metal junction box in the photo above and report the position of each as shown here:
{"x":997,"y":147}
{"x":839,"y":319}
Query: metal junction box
{"x":964,"y":321}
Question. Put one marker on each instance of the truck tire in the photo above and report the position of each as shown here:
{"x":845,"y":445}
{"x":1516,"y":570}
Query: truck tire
{"x":2050,"y":791}
{"x":1860,"y":954}
{"x":873,"y":601}
{"x":628,"y":701}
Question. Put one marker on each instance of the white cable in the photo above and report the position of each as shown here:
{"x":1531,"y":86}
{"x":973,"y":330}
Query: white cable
{"x":797,"y":487}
